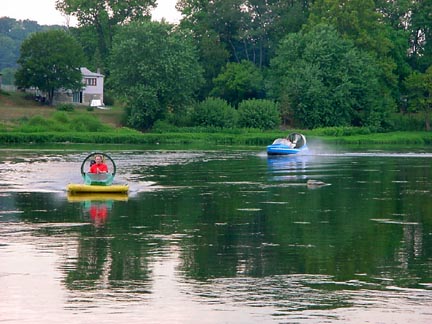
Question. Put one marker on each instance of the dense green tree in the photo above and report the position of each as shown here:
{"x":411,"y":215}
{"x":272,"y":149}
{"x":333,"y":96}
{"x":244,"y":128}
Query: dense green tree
{"x":49,"y":61}
{"x":250,"y":29}
{"x":237,"y":30}
{"x":361,"y":22}
{"x":88,"y":39}
{"x":156,"y":69}
{"x":326,"y":81}
{"x":103,"y":16}
{"x":420,"y":94}
{"x":239,"y":81}
{"x":421,"y":34}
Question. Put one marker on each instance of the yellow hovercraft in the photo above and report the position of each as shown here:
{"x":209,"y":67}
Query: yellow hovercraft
{"x":98,"y":182}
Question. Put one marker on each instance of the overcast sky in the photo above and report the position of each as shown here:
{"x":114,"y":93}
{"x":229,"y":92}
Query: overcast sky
{"x":44,"y":12}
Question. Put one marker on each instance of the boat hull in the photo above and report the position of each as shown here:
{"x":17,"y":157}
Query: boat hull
{"x":83,"y":188}
{"x":279,"y":149}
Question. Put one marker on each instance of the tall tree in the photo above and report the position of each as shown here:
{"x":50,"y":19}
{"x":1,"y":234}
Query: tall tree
{"x":420,"y":94}
{"x":156,"y":69}
{"x":237,"y":30}
{"x":238,"y":82}
{"x":361,"y":22}
{"x":49,"y":61}
{"x":324,"y":80}
{"x":105,"y":15}
{"x":250,"y":29}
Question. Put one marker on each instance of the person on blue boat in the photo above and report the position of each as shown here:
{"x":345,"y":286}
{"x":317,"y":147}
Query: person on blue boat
{"x":287,"y":142}
{"x":99,"y":166}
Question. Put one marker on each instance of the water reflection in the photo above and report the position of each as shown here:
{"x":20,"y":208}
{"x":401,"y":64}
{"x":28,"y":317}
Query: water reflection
{"x":289,"y":167}
{"x":224,"y":237}
{"x":95,"y":206}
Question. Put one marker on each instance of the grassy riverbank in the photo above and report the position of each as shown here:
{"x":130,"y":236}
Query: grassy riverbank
{"x":221,"y":138}
{"x":24,"y":121}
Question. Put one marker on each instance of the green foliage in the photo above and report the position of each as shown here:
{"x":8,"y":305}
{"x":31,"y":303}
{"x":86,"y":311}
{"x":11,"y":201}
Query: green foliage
{"x":419,"y":86}
{"x":12,"y":33}
{"x":108,"y":98}
{"x":85,"y":123}
{"x":61,"y":117}
{"x":8,"y":76}
{"x":4,"y":93}
{"x":248,"y":30}
{"x":159,"y":74}
{"x":214,"y":112}
{"x":144,"y":108}
{"x":407,"y":122}
{"x":258,"y":113}
{"x":100,"y":18}
{"x":62,"y":121}
{"x":237,"y":82}
{"x":327,"y":81}
{"x":65,"y":107}
{"x":421,"y":34}
{"x":341,"y":131}
{"x":45,"y":65}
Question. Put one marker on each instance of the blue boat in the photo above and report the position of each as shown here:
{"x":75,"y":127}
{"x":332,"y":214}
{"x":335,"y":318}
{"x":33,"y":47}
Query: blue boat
{"x":294,"y":143}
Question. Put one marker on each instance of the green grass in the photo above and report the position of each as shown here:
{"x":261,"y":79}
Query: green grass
{"x":24,"y":121}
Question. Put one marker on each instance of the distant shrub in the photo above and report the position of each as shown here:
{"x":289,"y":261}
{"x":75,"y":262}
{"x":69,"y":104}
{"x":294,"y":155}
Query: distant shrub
{"x":108,"y":99}
{"x":163,"y":126}
{"x":65,"y":107}
{"x":85,"y":123}
{"x":61,"y":116}
{"x":258,"y":113}
{"x":38,"y":121}
{"x":214,"y":112}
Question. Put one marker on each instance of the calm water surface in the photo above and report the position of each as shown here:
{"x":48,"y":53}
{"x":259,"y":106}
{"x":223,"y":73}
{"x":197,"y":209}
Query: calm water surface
{"x":218,"y":237}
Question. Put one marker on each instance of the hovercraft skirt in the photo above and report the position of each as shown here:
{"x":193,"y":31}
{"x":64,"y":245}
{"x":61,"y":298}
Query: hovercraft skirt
{"x":79,"y":188}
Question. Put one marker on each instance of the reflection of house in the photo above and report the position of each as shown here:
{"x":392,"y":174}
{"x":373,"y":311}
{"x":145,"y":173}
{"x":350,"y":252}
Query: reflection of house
{"x":92,"y":90}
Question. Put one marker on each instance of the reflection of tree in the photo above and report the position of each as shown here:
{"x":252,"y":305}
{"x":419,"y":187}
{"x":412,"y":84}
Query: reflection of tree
{"x":328,"y":231}
{"x":106,"y":253}
{"x":91,"y":258}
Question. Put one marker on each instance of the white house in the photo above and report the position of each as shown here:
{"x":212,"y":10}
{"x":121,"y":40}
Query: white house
{"x":92,"y":91}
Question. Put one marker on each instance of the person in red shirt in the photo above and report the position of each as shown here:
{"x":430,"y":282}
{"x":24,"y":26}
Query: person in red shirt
{"x":99,"y":166}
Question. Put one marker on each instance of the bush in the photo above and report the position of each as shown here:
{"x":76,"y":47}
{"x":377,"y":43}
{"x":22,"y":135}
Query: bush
{"x":38,"y":121}
{"x":61,"y":117}
{"x":259,"y":113}
{"x":214,"y":112}
{"x":85,"y":123}
{"x":65,"y":107}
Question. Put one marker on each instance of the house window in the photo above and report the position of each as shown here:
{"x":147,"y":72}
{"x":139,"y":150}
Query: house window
{"x":90,"y":81}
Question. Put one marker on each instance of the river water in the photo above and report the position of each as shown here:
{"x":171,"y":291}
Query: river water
{"x":223,"y":236}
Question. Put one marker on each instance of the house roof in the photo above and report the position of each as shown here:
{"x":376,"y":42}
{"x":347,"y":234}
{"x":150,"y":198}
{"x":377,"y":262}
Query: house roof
{"x":87,"y":73}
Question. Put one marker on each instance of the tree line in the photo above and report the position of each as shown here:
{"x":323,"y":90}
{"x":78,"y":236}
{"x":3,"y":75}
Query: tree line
{"x":320,"y":63}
